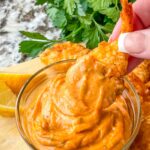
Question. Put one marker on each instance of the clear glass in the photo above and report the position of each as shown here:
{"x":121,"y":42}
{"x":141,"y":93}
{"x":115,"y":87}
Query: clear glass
{"x":42,"y":76}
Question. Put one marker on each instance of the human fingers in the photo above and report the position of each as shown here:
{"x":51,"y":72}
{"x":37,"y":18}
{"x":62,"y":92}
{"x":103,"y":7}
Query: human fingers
{"x":141,"y":13}
{"x":116,"y":31}
{"x":137,"y":25}
{"x":142,"y":10}
{"x":136,"y":43}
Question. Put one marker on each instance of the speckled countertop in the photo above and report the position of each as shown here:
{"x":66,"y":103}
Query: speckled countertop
{"x":17,"y":15}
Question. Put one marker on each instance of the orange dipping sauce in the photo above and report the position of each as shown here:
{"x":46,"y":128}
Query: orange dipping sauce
{"x":80,"y":109}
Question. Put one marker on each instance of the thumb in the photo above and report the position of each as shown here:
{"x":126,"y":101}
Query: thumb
{"x":136,"y":43}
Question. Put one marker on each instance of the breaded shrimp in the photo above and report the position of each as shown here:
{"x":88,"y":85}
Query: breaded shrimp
{"x":107,"y":52}
{"x":63,"y":51}
{"x":143,"y":71}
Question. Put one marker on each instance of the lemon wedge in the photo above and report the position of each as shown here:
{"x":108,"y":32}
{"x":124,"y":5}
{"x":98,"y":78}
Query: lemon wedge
{"x":28,"y":67}
{"x":14,"y":81}
{"x":15,"y":76}
{"x":7,"y":100}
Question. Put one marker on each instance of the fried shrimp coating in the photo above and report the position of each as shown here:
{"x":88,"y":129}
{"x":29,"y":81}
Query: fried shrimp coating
{"x":142,"y":141}
{"x":114,"y":61}
{"x":108,"y":54}
{"x":140,"y":78}
{"x":63,"y":51}
{"x":143,"y":71}
{"x":126,"y":17}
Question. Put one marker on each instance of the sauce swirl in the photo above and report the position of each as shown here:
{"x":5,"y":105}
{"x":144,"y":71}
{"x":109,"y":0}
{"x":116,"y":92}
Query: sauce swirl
{"x":81,"y":109}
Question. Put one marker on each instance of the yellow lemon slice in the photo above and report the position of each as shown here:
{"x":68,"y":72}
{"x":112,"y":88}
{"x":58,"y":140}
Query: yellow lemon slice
{"x":28,"y":67}
{"x":14,"y":81}
{"x":15,"y":76}
{"x":7,"y":100}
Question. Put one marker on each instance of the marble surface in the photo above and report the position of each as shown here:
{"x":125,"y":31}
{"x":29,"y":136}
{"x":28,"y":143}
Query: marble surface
{"x":17,"y":15}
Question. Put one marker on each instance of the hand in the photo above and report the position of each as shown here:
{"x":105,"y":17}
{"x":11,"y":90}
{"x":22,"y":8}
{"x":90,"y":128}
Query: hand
{"x":136,"y":43}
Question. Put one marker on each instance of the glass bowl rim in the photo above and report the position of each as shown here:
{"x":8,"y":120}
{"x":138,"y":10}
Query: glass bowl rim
{"x":17,"y":112}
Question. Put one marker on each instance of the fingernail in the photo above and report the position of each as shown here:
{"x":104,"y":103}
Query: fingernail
{"x":121,"y":42}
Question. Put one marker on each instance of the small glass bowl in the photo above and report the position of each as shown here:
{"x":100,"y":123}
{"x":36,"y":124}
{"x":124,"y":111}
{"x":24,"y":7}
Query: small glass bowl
{"x":42,"y":77}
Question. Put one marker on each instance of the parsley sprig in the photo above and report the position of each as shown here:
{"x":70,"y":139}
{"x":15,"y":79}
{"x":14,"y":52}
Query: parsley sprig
{"x":87,"y":21}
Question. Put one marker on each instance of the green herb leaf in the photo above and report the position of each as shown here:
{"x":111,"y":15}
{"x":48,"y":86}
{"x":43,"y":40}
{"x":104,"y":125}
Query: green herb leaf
{"x":108,"y":27}
{"x":70,"y":6}
{"x":100,"y":29}
{"x":40,"y":2}
{"x":72,"y":26}
{"x":84,"y":4}
{"x":80,"y":10}
{"x":60,"y":19}
{"x":91,"y":37}
{"x":51,"y":11}
{"x":57,"y":16}
{"x":33,"y":35}
{"x":103,"y":36}
{"x":31,"y":48}
{"x":58,"y":3}
{"x":111,"y":13}
{"x":100,"y":4}
{"x":88,"y":21}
